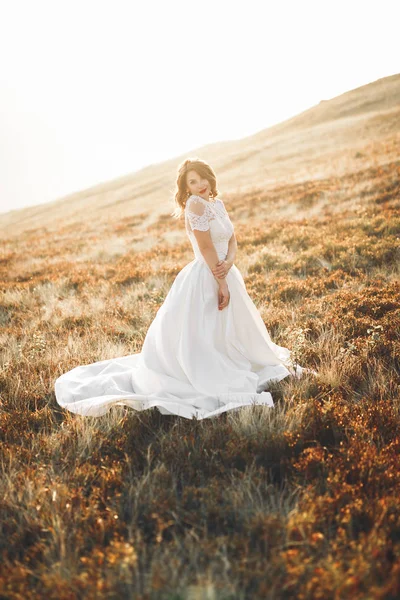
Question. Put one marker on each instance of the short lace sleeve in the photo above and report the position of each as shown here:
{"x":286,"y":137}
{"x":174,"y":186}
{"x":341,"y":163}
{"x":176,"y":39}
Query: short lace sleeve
{"x":197,"y":214}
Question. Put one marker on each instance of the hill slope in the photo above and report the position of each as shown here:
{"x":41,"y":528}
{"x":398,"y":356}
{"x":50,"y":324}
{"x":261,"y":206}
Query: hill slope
{"x":335,"y":137}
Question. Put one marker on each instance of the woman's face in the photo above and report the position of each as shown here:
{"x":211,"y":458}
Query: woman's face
{"x":199,"y":186}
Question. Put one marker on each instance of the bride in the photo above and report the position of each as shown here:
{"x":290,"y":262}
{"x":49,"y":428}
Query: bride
{"x":207,"y":350}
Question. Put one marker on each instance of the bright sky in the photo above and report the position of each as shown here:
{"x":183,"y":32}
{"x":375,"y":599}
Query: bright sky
{"x":91,"y":89}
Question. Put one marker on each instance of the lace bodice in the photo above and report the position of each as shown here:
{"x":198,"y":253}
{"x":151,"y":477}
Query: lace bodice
{"x":203,"y":215}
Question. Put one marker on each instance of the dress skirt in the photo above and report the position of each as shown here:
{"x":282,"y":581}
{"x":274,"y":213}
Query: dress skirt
{"x":196,"y":361}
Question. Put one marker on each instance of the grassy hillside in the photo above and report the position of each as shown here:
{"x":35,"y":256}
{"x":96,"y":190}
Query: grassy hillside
{"x":299,"y":501}
{"x":330,"y":139}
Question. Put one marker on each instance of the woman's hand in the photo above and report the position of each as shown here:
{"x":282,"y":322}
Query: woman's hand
{"x":223,"y":295}
{"x":222,"y":268}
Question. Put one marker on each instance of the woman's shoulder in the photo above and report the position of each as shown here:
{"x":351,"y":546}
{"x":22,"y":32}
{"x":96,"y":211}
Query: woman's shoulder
{"x":195,"y":198}
{"x":199,"y":206}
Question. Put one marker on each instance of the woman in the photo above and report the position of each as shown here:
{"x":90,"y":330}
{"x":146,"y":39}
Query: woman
{"x":207,"y":350}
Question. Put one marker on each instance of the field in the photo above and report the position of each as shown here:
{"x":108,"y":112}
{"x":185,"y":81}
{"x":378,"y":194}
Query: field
{"x":298,"y":501}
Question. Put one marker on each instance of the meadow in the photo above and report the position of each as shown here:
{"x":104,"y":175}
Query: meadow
{"x":301,"y":500}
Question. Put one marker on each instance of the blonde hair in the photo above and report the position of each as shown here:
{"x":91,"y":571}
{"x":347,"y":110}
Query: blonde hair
{"x":203,"y":170}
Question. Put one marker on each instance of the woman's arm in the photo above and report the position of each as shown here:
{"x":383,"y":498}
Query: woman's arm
{"x":210,"y":255}
{"x":232,"y":249}
{"x":208,"y":250}
{"x":221,"y":270}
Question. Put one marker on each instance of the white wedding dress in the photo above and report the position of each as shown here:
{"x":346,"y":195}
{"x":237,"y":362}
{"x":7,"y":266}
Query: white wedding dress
{"x":196,"y":361}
